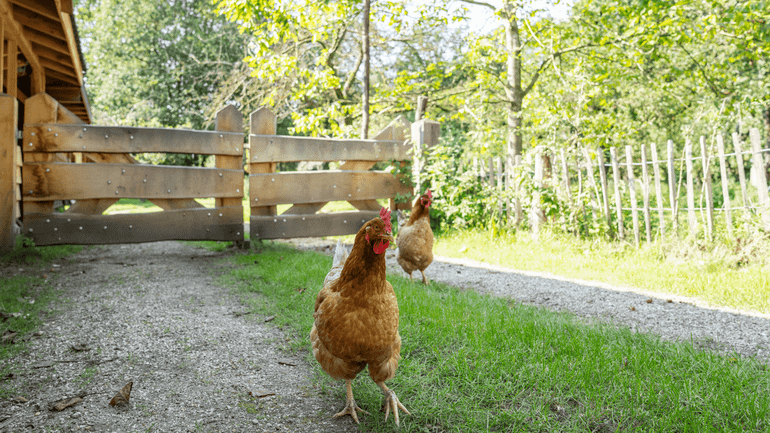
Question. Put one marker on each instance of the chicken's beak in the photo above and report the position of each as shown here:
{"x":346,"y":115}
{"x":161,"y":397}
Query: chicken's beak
{"x":388,"y":237}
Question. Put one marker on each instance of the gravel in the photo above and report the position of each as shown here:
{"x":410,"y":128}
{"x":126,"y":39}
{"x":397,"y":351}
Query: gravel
{"x":153,"y":314}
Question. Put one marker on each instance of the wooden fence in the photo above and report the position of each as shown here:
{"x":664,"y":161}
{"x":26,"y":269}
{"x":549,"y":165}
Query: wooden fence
{"x":616,"y":181}
{"x":65,"y":159}
{"x":309,"y":191}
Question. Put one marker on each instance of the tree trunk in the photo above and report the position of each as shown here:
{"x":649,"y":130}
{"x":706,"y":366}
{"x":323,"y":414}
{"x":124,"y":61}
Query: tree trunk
{"x":513,"y":89}
{"x":365,"y":101}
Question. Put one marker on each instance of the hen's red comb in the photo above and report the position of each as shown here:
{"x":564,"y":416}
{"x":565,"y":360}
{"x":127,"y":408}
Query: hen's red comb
{"x":385,"y":217}
{"x":429,"y":194}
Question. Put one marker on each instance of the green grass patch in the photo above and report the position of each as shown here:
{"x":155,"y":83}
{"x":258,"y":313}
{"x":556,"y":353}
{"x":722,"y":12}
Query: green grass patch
{"x":666,"y":268}
{"x":475,"y":363}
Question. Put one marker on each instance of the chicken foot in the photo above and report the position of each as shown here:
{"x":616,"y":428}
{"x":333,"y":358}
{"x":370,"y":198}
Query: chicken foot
{"x":350,"y":407}
{"x":391,"y":402}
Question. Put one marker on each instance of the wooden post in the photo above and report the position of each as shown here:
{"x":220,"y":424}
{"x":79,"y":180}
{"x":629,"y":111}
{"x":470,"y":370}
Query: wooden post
{"x":229,"y":119}
{"x":605,"y":189}
{"x":425,"y":133}
{"x":616,"y":181}
{"x":592,"y":179}
{"x":692,"y":219}
{"x":261,"y":122}
{"x":741,"y":175}
{"x":632,"y":191}
{"x":499,"y":164}
{"x":422,"y":105}
{"x":11,"y":87}
{"x":725,"y":188}
{"x":707,"y":187}
{"x":536,"y":216}
{"x":646,"y":194}
{"x":672,"y":196}
{"x":9,"y":171}
{"x":761,"y":175}
{"x":658,"y":190}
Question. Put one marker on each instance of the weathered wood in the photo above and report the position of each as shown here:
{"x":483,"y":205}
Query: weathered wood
{"x":62,"y":181}
{"x":673,"y":199}
{"x":741,"y":175}
{"x":707,"y":188}
{"x":220,"y":224}
{"x":261,"y":122}
{"x":9,"y":117}
{"x":646,"y":195}
{"x":51,"y":137}
{"x":605,"y":189}
{"x":425,"y":134}
{"x":230,"y":120}
{"x":304,"y":208}
{"x":301,"y":226}
{"x":618,"y":202}
{"x":725,"y":187}
{"x":91,"y":207}
{"x":692,"y":219}
{"x":658,"y":189}
{"x":632,"y":192}
{"x":333,"y":185}
{"x":11,"y":86}
{"x":280,"y":148}
{"x":365,"y":204}
{"x":761,"y":177}
{"x":177,"y":204}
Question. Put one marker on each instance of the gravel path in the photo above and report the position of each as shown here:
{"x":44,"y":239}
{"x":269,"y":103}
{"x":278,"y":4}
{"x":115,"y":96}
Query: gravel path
{"x":152,"y":314}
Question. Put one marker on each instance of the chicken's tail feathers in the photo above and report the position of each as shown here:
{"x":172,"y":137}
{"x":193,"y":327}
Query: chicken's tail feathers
{"x":340,"y":255}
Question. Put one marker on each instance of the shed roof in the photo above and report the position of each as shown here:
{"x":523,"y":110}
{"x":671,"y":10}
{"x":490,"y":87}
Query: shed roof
{"x":48,"y":52}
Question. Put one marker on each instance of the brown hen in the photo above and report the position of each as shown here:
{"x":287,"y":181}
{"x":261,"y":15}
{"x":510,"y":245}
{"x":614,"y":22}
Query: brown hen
{"x":415,"y":238}
{"x":356,"y":317}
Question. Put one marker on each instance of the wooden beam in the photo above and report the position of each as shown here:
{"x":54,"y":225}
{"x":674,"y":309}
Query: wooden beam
{"x":45,"y":8}
{"x":302,"y":226}
{"x":229,"y":121}
{"x":44,"y":181}
{"x":33,"y":20}
{"x":66,"y":20}
{"x":262,"y":121}
{"x":217,"y":224}
{"x":56,"y":75}
{"x":52,"y":137}
{"x":11,"y":85}
{"x":9,"y":118}
{"x":16,"y":32}
{"x":279,"y":148}
{"x":333,"y":185}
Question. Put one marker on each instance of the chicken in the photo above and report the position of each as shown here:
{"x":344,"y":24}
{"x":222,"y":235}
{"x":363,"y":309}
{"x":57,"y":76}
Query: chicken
{"x":415,"y":238}
{"x":356,"y":317}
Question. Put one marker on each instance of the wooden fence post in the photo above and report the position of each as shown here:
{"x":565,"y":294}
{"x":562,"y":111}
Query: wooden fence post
{"x":672,"y":195}
{"x":499,"y":164}
{"x":262,"y":121}
{"x":658,"y":190}
{"x":616,"y":181}
{"x":536,"y":216}
{"x":425,"y":133}
{"x":741,"y":174}
{"x":10,"y":167}
{"x":692,"y":219}
{"x":229,"y":119}
{"x":605,"y":189}
{"x":725,"y":188}
{"x":632,"y":191}
{"x":761,"y":176}
{"x":707,"y":188}
{"x":646,"y":194}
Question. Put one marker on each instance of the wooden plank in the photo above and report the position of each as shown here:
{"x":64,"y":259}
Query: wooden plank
{"x":281,"y":148}
{"x":632,"y":192}
{"x":304,"y":208}
{"x":425,"y":134}
{"x":725,"y":187}
{"x":2,"y":51}
{"x":51,"y":137}
{"x":658,"y":189}
{"x":356,"y":165}
{"x":333,"y":185}
{"x":62,"y":181}
{"x":9,"y":117}
{"x":605,"y":189}
{"x":708,"y":190}
{"x":761,"y":175}
{"x":616,"y":181}
{"x":302,"y":226}
{"x":646,"y":195}
{"x":672,"y":195}
{"x":230,"y":120}
{"x":261,"y":122}
{"x":11,"y":85}
{"x":91,"y":207}
{"x":692,"y":219}
{"x":365,"y":204}
{"x":19,"y":40}
{"x":741,"y":174}
{"x":220,"y":224}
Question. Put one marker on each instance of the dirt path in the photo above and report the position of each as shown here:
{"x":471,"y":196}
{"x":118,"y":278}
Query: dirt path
{"x":152,"y":314}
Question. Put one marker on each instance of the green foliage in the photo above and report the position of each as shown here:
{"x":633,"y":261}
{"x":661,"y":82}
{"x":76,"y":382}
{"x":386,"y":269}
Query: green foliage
{"x":25,"y":251}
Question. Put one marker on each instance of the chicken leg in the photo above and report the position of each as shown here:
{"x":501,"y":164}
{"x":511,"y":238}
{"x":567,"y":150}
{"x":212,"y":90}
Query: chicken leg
{"x":391,"y":402}
{"x":351,"y":407}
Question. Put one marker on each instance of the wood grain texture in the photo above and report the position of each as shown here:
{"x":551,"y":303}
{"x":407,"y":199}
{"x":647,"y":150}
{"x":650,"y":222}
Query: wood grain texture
{"x":8,"y":167}
{"x":63,"y":181}
{"x":302,"y":226}
{"x":332,"y":185}
{"x":221,"y":224}
{"x":50,"y":137}
{"x":278,"y":148}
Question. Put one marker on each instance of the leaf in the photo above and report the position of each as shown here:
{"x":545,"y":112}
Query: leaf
{"x":121,"y":398}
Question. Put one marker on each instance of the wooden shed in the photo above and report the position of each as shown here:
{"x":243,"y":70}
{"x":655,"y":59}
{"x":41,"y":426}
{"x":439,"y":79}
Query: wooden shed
{"x":40,"y":53}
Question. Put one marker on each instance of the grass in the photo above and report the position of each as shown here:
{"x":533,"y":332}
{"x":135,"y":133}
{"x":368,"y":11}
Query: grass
{"x":476,"y":363}
{"x":666,"y":268}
